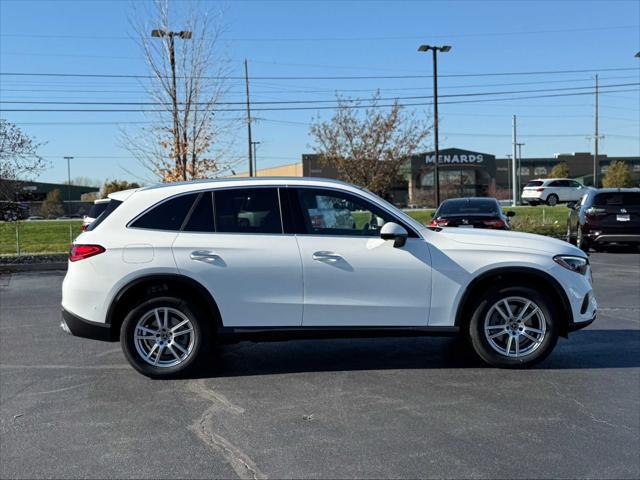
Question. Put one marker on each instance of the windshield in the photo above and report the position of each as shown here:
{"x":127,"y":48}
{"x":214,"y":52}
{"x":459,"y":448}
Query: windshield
{"x":469,"y":206}
{"x":96,"y":209}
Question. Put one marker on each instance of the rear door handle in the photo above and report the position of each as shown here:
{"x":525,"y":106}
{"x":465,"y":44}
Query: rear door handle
{"x":204,"y":255}
{"x":326,"y":256}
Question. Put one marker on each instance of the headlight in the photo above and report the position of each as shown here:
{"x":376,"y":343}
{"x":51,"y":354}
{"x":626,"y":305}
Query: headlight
{"x":575,"y":264}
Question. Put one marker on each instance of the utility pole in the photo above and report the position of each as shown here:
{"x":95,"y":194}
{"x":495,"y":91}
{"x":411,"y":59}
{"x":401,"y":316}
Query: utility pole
{"x":68,"y":159}
{"x":513,"y":165}
{"x":255,"y":158}
{"x":436,"y":173}
{"x":595,"y":156}
{"x":509,"y":156}
{"x":519,"y":171}
{"x":246,"y":80}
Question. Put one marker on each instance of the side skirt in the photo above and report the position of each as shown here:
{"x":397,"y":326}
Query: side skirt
{"x":278,"y":334}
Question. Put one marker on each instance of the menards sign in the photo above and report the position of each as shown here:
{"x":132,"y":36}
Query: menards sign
{"x":457,"y":156}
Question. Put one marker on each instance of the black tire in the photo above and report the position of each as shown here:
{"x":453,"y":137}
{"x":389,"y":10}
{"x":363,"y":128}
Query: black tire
{"x":552,"y":200}
{"x":199,"y":349}
{"x":480,"y":342}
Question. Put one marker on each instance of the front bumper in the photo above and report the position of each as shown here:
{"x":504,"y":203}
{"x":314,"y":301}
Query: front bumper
{"x":580,"y":325}
{"x":80,"y":327}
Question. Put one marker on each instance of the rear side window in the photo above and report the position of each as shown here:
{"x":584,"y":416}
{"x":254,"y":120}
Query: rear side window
{"x":201,"y":218}
{"x":110,"y":207}
{"x":617,"y":198}
{"x":534,"y":183}
{"x":247,"y":210}
{"x":168,"y":215}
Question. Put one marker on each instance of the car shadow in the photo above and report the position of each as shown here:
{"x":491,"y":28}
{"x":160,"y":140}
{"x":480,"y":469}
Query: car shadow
{"x":585,"y":349}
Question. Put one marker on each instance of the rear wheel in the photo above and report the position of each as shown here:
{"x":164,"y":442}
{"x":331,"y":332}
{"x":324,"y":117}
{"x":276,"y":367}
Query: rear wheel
{"x":552,"y":200}
{"x":165,"y":337}
{"x":582,"y":243}
{"x":513,"y":327}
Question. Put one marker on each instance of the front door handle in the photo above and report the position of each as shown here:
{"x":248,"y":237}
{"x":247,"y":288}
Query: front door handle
{"x":204,"y":255}
{"x":326,"y":256}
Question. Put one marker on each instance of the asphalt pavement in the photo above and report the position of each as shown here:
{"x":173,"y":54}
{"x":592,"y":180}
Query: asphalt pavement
{"x":400,"y":407}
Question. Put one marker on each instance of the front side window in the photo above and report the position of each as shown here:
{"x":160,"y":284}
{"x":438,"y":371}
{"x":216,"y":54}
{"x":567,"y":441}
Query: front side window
{"x":327,"y":212}
{"x":168,"y":215}
{"x":247,"y":210}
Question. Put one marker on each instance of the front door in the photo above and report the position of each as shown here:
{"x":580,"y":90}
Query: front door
{"x":351,"y":276}
{"x":240,"y":254}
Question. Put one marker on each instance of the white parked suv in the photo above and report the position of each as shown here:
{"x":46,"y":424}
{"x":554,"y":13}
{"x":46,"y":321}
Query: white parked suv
{"x":553,"y":191}
{"x":172,"y":269}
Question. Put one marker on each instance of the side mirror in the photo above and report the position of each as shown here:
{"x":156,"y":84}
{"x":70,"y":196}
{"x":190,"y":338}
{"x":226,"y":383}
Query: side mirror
{"x":395,"y":232}
{"x":511,"y":213}
{"x":571,"y":205}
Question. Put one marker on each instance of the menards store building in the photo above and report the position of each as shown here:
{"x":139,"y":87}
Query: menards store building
{"x":464,"y":173}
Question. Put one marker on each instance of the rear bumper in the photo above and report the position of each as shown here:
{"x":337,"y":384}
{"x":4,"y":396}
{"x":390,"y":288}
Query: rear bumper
{"x":80,"y":327}
{"x":611,"y":238}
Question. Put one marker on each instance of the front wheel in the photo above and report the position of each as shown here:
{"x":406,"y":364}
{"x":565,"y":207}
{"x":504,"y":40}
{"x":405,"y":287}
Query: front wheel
{"x":513,"y":327}
{"x":165,"y":337}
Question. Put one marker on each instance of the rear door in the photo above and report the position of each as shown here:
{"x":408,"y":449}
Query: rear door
{"x":233,"y":244}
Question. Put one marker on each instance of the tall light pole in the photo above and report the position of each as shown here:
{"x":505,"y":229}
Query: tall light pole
{"x":68,"y":159}
{"x":184,"y":35}
{"x":436,"y":173}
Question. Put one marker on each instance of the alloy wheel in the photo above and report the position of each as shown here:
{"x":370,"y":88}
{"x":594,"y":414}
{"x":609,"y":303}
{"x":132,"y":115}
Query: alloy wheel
{"x":515,"y":326}
{"x":164,"y":337}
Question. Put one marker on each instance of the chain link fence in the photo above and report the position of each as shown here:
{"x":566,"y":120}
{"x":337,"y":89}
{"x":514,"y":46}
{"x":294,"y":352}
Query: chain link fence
{"x":38,"y":236}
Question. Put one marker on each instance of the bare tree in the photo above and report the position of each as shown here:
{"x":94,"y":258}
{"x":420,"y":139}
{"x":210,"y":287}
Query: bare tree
{"x":185,"y":139}
{"x":368,"y":146}
{"x":19,"y":157}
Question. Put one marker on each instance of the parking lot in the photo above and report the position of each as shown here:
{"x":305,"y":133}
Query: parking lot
{"x":409,"y":407}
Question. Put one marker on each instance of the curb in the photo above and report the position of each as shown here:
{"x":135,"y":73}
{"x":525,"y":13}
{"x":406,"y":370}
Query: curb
{"x":32,"y":267}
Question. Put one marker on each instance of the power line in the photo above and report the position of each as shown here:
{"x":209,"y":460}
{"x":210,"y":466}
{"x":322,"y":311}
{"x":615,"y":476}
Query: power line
{"x":347,"y":77}
{"x":290,"y":102}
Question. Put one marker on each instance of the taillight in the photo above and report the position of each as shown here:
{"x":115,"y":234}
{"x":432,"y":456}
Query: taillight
{"x":593,"y":211}
{"x":494,"y":223}
{"x":80,"y":252}
{"x":84,"y":227}
{"x":439,"y":222}
{"x":539,"y":189}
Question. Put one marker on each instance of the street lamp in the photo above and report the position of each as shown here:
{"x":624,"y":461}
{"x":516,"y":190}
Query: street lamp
{"x":184,"y":35}
{"x":436,"y":174}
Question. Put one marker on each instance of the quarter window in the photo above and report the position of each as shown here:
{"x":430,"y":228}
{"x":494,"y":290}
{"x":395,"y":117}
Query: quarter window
{"x":168,"y":215}
{"x":247,"y":210}
{"x":326,"y":212}
{"x":201,"y":219}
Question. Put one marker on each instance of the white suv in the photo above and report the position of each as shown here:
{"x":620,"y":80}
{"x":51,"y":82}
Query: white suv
{"x":172,"y":269}
{"x":552,"y":191}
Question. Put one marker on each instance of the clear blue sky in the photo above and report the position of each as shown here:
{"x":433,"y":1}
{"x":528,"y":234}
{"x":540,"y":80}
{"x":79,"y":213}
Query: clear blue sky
{"x":338,"y":38}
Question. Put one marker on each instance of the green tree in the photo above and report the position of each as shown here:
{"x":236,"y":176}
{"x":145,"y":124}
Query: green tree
{"x":618,"y":176}
{"x":559,"y":171}
{"x":52,"y":205}
{"x":111,"y":186}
